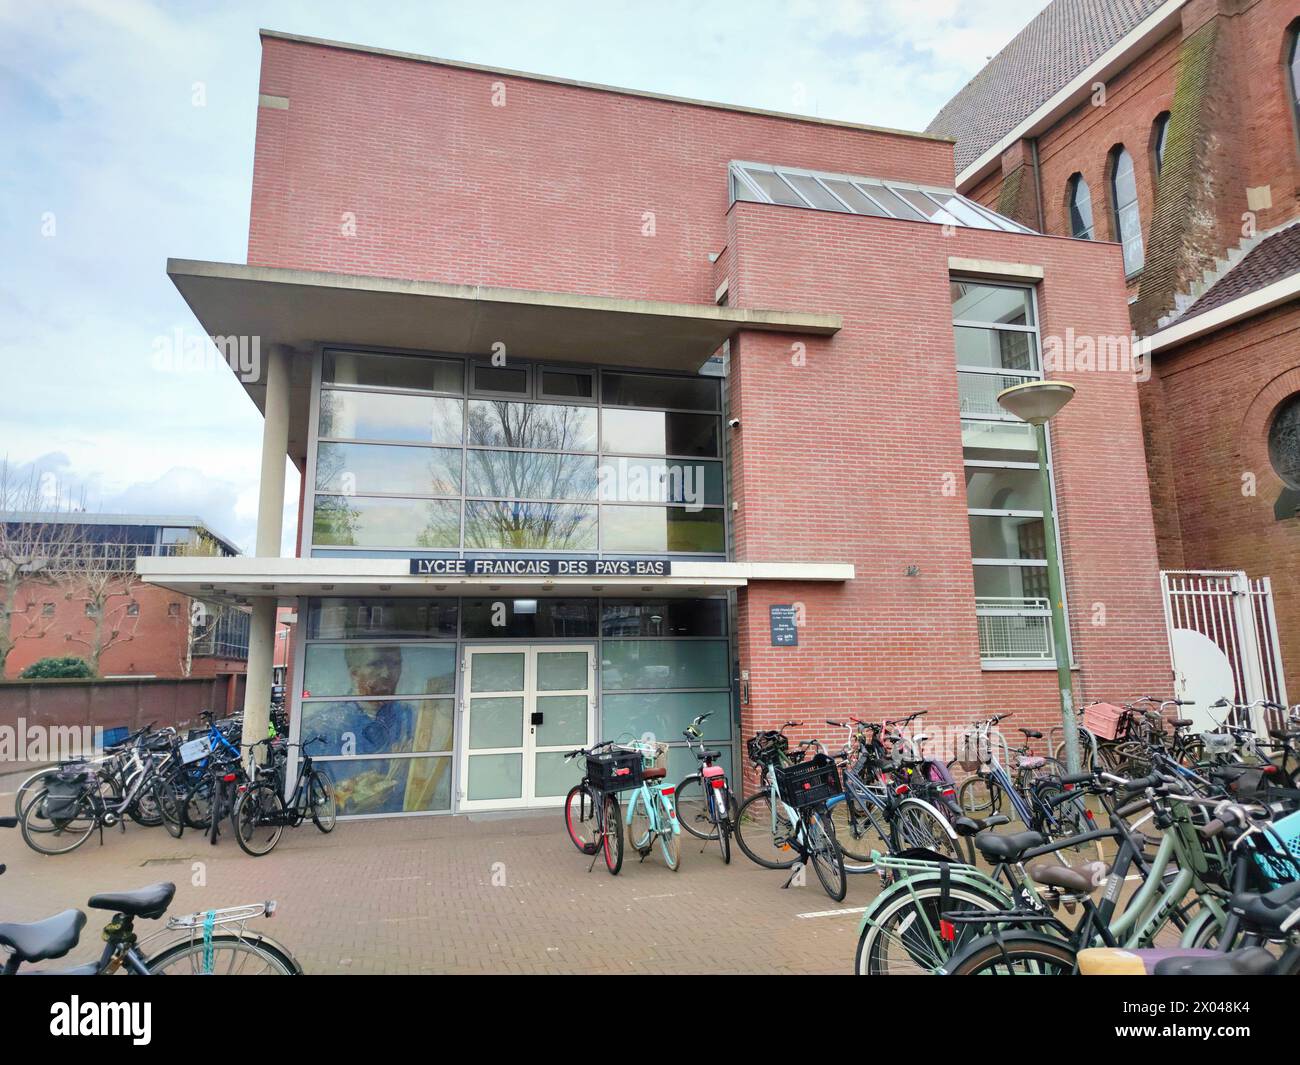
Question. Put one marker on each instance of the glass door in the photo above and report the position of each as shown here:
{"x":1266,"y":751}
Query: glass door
{"x":523,"y":709}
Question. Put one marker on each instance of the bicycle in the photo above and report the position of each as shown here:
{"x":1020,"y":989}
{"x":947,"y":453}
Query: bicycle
{"x":788,"y":812}
{"x":650,"y":816}
{"x":870,"y":808}
{"x":591,"y":810}
{"x":261,"y":814}
{"x":1037,"y":795}
{"x":710,"y":815}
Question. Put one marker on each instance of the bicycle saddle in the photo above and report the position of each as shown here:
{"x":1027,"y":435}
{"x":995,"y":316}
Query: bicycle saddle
{"x":1253,"y":961}
{"x":1076,"y":881}
{"x":1031,"y":761}
{"x":1032,"y":733}
{"x":654,"y":774}
{"x":148,"y":902}
{"x":1008,"y":848}
{"x":1282,"y":735}
{"x":1275,"y":912}
{"x":1181,"y":722}
{"x":50,"y":938}
{"x":703,"y":755}
{"x":1116,"y":961}
{"x":969,"y":826}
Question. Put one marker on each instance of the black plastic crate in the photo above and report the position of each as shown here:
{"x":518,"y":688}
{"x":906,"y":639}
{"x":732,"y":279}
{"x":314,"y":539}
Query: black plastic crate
{"x":808,"y":783}
{"x":614,"y":770}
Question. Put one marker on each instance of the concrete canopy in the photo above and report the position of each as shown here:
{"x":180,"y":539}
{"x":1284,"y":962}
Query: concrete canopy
{"x":305,"y":308}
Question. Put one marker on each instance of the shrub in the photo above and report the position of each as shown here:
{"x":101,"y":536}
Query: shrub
{"x":66,"y":667}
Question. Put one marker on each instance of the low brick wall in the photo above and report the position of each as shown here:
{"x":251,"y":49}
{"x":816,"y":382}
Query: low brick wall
{"x":133,"y":702}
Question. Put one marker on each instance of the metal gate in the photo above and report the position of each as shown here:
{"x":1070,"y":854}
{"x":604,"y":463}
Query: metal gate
{"x":1222,"y":640}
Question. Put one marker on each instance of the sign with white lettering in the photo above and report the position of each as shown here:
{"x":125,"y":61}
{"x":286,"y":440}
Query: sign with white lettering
{"x":540,"y":567}
{"x":783,"y":619}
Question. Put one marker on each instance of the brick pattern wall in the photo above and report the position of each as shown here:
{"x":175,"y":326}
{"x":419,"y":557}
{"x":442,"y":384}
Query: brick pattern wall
{"x":1220,"y":393}
{"x":845,"y":459}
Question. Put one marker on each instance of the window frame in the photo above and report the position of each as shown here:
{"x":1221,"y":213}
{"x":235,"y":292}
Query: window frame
{"x":1159,"y":139}
{"x":986,"y":610}
{"x":1290,"y":57}
{"x":1118,"y":153}
{"x":1076,"y":182}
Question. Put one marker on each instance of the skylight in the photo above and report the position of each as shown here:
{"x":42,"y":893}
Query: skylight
{"x":764,"y":183}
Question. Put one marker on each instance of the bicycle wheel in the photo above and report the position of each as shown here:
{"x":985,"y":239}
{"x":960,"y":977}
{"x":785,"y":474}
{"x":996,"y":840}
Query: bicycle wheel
{"x":144,"y":811}
{"x":764,"y":835}
{"x":901,"y":934}
{"x":580,"y":818}
{"x":1069,"y":818}
{"x":721,"y":802}
{"x":980,"y":796}
{"x":858,"y":834}
{"x":64,"y":834}
{"x":611,"y":834}
{"x":694,"y":810}
{"x":170,"y":806}
{"x":259,"y":820}
{"x":28,"y":789}
{"x":824,"y":853}
{"x":914,"y":825}
{"x":640,"y":836}
{"x":670,"y":841}
{"x":226,"y":954}
{"x":1016,"y":955}
{"x":1087,"y":748}
{"x":320,"y":798}
{"x":197,"y":810}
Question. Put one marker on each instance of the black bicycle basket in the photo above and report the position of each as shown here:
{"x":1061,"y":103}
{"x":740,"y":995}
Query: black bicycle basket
{"x":614,"y":770}
{"x":808,"y":783}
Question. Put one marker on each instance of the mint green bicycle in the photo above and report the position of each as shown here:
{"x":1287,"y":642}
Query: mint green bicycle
{"x":650,"y":816}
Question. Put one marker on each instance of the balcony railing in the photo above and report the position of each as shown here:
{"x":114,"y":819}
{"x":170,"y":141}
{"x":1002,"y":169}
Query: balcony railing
{"x":226,"y":637}
{"x":1014,"y":629}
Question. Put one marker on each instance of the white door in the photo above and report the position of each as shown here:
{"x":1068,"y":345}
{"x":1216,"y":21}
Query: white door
{"x":522,"y":709}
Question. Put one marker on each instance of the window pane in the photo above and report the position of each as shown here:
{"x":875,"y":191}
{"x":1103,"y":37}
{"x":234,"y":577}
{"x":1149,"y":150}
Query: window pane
{"x":496,"y":722}
{"x":989,"y":488}
{"x":647,"y":432}
{"x":554,"y":618}
{"x":361,"y":521}
{"x":539,"y":426}
{"x":999,"y":441}
{"x":665,"y":716}
{"x":1080,"y":208}
{"x":648,"y":390}
{"x":1016,"y":582}
{"x":850,"y":194}
{"x":494,"y":776}
{"x":665,"y":617}
{"x":500,"y":379}
{"x":664,"y":664}
{"x":394,"y":371}
{"x":924,"y":206}
{"x":978,"y":393}
{"x":332,"y":619}
{"x":529,"y":475}
{"x":503,"y":672}
{"x":562,"y":671}
{"x":1162,"y":132}
{"x":391,"y":785}
{"x":1006,"y":537}
{"x":777,"y":189}
{"x":995,"y":348}
{"x":553,"y":774}
{"x":350,"y":468}
{"x":530,"y":526}
{"x":991,"y":303}
{"x":624,"y":480}
{"x":577,"y":384}
{"x":812,"y":192}
{"x":387,"y":416}
{"x":377,"y":727}
{"x":898,"y":208}
{"x":656,"y":529}
{"x":368,"y":669}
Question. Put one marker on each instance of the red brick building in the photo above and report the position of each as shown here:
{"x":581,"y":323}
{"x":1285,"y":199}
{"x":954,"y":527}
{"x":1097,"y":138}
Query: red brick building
{"x":133,"y":628}
{"x":497,"y":306}
{"x":1172,"y":128}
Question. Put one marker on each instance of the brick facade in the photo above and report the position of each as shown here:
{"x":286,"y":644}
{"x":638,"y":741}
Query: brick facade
{"x":841,"y":460}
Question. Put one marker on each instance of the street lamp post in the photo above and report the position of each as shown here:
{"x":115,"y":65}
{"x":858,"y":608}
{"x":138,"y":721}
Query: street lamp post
{"x":1036,"y":402}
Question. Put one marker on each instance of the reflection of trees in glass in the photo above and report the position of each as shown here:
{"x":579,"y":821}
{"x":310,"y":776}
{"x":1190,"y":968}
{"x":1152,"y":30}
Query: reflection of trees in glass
{"x":441,"y":525}
{"x":335,"y":521}
{"x":534,"y":426}
{"x":525,"y":526}
{"x":530,"y":475}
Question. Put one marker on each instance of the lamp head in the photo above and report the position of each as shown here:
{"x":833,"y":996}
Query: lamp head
{"x":1036,"y":401}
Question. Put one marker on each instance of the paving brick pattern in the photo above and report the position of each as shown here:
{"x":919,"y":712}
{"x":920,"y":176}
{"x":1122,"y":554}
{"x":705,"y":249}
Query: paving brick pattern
{"x":505,"y":894}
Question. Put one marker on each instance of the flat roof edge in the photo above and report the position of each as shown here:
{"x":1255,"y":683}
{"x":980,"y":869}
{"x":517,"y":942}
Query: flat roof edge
{"x":525,"y":75}
{"x":740,"y":317}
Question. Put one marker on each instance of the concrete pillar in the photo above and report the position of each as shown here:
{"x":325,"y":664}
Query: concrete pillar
{"x":270,"y":522}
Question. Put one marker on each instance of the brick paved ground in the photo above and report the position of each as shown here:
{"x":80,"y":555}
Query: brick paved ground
{"x":417,"y":895}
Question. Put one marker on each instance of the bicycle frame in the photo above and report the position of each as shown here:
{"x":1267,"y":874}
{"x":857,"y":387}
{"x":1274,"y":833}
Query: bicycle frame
{"x":642,"y":794}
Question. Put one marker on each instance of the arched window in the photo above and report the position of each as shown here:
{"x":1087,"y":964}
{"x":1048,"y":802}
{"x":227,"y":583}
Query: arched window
{"x":1159,"y":133}
{"x":1291,"y":58}
{"x":1080,"y":204}
{"x":1124,"y":202}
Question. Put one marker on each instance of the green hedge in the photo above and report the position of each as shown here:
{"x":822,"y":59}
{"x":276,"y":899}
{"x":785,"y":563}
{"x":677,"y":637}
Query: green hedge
{"x":58,"y":668}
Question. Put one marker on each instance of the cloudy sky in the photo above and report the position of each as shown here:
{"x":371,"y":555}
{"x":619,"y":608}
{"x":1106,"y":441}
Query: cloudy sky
{"x":129,"y":137}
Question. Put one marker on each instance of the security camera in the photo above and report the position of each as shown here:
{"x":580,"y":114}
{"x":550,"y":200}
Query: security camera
{"x":733,"y":423}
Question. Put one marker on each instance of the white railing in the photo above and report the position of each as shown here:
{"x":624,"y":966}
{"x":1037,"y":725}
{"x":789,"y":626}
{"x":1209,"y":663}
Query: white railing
{"x":1014,"y":628}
